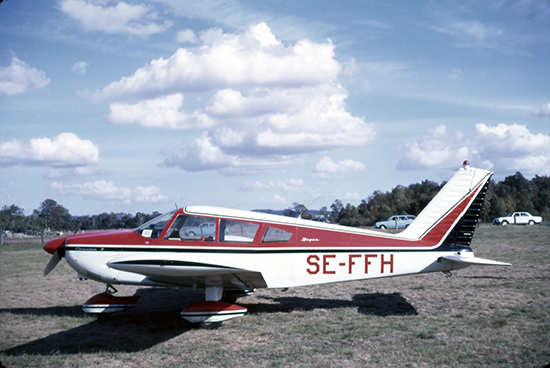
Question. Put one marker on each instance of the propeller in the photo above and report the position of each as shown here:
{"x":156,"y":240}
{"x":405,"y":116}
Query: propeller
{"x":57,"y":248}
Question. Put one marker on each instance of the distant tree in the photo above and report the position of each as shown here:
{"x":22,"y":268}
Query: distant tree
{"x":517,"y":193}
{"x":128,"y":221}
{"x":541,"y":186}
{"x":335,"y":209}
{"x":421,"y":194}
{"x":376,"y":207}
{"x":86,"y":223}
{"x":54,"y":216}
{"x":143,"y":218}
{"x":140,"y":218}
{"x":108,"y":221}
{"x":12,"y":218}
{"x":289,"y":212}
{"x":324,"y":211}
{"x":301,"y":211}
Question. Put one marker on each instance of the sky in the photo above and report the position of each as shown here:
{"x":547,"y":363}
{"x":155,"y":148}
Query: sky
{"x":141,"y":106}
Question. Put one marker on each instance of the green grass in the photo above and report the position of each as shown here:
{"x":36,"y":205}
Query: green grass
{"x":479,"y":317}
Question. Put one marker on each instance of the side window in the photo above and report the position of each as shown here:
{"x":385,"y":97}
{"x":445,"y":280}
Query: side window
{"x":196,"y":228}
{"x":274,"y":235}
{"x":237,"y":231}
{"x":173,"y":232}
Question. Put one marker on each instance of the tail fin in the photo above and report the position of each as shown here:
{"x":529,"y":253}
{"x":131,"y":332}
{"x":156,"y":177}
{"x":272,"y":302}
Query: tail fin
{"x":461,"y":235}
{"x":451,"y":216}
{"x":450,"y":219}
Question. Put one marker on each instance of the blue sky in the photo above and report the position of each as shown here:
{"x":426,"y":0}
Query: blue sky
{"x":127,"y":106}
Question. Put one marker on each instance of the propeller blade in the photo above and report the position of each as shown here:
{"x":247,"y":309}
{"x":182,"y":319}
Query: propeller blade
{"x":59,"y":253}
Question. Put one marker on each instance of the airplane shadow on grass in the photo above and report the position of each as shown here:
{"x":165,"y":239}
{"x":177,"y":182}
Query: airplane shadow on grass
{"x":378,"y":304}
{"x":156,"y":319}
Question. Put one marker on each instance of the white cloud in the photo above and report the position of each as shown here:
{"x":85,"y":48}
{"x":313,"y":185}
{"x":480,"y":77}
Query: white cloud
{"x":352,"y":196}
{"x":290,"y":185}
{"x":140,"y":20}
{"x":472,"y":30}
{"x":543,"y":112}
{"x":254,"y":185}
{"x":320,"y":122}
{"x":203,"y":154}
{"x":162,"y":112}
{"x":186,"y":36}
{"x":288,"y":120}
{"x":278,"y":199}
{"x":80,"y":67}
{"x":351,"y":69}
{"x":246,"y":60}
{"x":326,"y":168}
{"x":440,"y":149}
{"x":503,"y":148}
{"x":269,"y":100}
{"x":107,"y":191}
{"x":19,"y":77}
{"x":56,"y":173}
{"x":387,"y":68}
{"x":64,"y":151}
{"x":511,"y":141}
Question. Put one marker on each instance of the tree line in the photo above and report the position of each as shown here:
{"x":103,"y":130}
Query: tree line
{"x":53,"y":217}
{"x":514,"y":193}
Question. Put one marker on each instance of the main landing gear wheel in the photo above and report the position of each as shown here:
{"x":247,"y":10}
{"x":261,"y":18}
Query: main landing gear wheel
{"x":211,"y":314}
{"x":210,"y":325}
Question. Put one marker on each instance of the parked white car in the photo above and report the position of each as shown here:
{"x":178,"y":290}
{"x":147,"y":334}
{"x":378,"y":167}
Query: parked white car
{"x":518,"y":218}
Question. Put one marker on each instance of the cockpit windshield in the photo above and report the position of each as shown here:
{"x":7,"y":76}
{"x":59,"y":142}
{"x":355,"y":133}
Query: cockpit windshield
{"x":153,"y":228}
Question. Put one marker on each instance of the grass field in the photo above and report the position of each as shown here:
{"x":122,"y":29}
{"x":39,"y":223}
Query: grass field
{"x":479,"y":317}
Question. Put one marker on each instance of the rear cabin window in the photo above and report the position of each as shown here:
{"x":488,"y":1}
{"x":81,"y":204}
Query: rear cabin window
{"x":274,"y":235}
{"x":237,"y":231}
{"x":194,"y":228}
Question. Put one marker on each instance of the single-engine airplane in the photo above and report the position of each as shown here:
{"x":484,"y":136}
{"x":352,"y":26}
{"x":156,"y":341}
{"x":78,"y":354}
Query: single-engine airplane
{"x":230,"y":253}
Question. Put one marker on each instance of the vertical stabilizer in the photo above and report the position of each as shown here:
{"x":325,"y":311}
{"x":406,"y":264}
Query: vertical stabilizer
{"x":453,"y":213}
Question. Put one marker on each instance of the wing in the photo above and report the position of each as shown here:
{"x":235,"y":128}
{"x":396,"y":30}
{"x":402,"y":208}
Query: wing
{"x":172,"y":269}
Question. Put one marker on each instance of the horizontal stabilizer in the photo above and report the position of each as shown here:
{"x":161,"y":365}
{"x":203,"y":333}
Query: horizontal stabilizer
{"x":474,"y":261}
